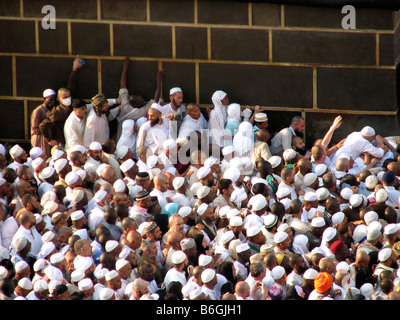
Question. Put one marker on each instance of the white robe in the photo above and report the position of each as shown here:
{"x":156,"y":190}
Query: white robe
{"x":153,"y":137}
{"x":74,"y":129}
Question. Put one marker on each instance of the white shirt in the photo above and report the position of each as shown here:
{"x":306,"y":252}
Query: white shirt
{"x":216,"y":131}
{"x":161,"y":197}
{"x":167,"y":109}
{"x":174,"y":275}
{"x":8,"y":229}
{"x":74,"y":129}
{"x":294,"y":279}
{"x":153,"y":137}
{"x":32,"y":235}
{"x":189,"y":287}
{"x":95,"y":217}
{"x":241,"y":271}
{"x":393,"y":194}
{"x":189,"y":125}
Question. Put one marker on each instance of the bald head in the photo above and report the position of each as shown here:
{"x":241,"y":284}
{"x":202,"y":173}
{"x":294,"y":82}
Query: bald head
{"x":108,"y":174}
{"x":242,"y":289}
{"x":134,"y":239}
{"x":362,"y":259}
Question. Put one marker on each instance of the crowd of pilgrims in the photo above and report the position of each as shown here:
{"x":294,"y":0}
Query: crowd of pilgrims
{"x":119,"y":198}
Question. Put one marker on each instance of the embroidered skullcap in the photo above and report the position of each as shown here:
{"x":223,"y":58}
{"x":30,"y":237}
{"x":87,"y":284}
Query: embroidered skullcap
{"x":371,"y":181}
{"x":174,"y":90}
{"x":322,"y":194}
{"x":16,"y":151}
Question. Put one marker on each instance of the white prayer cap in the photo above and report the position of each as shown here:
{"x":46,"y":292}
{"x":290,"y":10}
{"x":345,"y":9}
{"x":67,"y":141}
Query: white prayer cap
{"x":85,"y":284}
{"x":343,"y":265}
{"x":39,"y":264}
{"x":53,"y":285}
{"x":280,"y":236}
{"x":310,"y":178}
{"x":121,"y":263}
{"x":48,"y":93}
{"x":37,"y":162}
{"x":210,"y":161}
{"x":111,"y":275}
{"x":329,"y":233}
{"x":322,"y":193}
{"x":370,"y":216}
{"x":204,"y":260}
{"x":391,"y":228}
{"x":134,"y":190}
{"x":203,"y":191}
{"x":286,"y":203}
{"x":47,"y":172}
{"x":356,"y":200}
{"x":76,"y":215}
{"x":48,"y":236}
{"x":53,"y":273}
{"x":71,"y":178}
{"x":275,"y":161}
{"x":367,"y":131}
{"x":282,"y":227}
{"x":283,"y":192}
{"x":40,"y":285}
{"x":202,"y":208}
{"x":101,"y":272}
{"x":142,"y":227}
{"x":223,"y":211}
{"x":25,"y":283}
{"x":106,"y":293}
{"x":384,"y":254}
{"x":208,"y":275}
{"x":16,"y":151}
{"x":375,"y":225}
{"x":187,"y":243}
{"x":169,"y":144}
{"x":371,"y":181}
{"x":227,"y":236}
{"x":226,"y":150}
{"x":232,"y":174}
{"x":235,"y":221}
{"x":195,"y":187}
{"x":157,"y":107}
{"x":233,"y":212}
{"x":119,"y":185}
{"x":289,"y":154}
{"x":99,"y":195}
{"x":346,"y":193}
{"x":57,"y":154}
{"x":277,"y":272}
{"x":20,"y":243}
{"x":95,"y":145}
{"x":152,"y":161}
{"x":46,"y":249}
{"x":178,"y":182}
{"x":270,"y":220}
{"x":57,"y":257}
{"x":310,"y":274}
{"x":203,"y":172}
{"x":3,"y":272}
{"x":359,"y":233}
{"x":373,"y":233}
{"x":236,"y":162}
{"x":242,"y":247}
{"x":381,"y":195}
{"x":252,"y":231}
{"x":310,"y":196}
{"x":318,"y":250}
{"x":50,"y":207}
{"x":174,"y":90}
{"x":338,"y":218}
{"x":258,"y":202}
{"x":238,"y":195}
{"x":318,"y":222}
{"x":111,"y":245}
{"x":178,"y":257}
{"x":127,"y":165}
{"x":367,"y":289}
{"x":38,"y":218}
{"x":184,"y":211}
{"x":121,"y":151}
{"x":195,"y":293}
{"x":260,"y":117}
{"x":35,"y":152}
{"x":2,"y":149}
{"x":60,"y":164}
{"x":320,"y":169}
{"x":77,"y":275}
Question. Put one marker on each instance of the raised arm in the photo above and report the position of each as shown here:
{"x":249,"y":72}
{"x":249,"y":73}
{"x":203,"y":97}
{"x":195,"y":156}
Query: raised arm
{"x":73,"y":77}
{"x":328,"y":136}
{"x":124,"y":74}
{"x":160,"y":78}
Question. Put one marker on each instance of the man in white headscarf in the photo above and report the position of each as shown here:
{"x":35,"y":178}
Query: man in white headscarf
{"x":218,"y":118}
{"x":155,"y":131}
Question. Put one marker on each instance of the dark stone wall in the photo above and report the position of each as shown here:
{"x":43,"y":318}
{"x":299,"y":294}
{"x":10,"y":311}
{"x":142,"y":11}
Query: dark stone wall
{"x":289,"y":59}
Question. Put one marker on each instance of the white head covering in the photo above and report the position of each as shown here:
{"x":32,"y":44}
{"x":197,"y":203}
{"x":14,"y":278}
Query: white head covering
{"x":128,"y":136}
{"x":220,"y":109}
{"x":233,"y":112}
{"x":300,"y":244}
{"x":367,"y":131}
